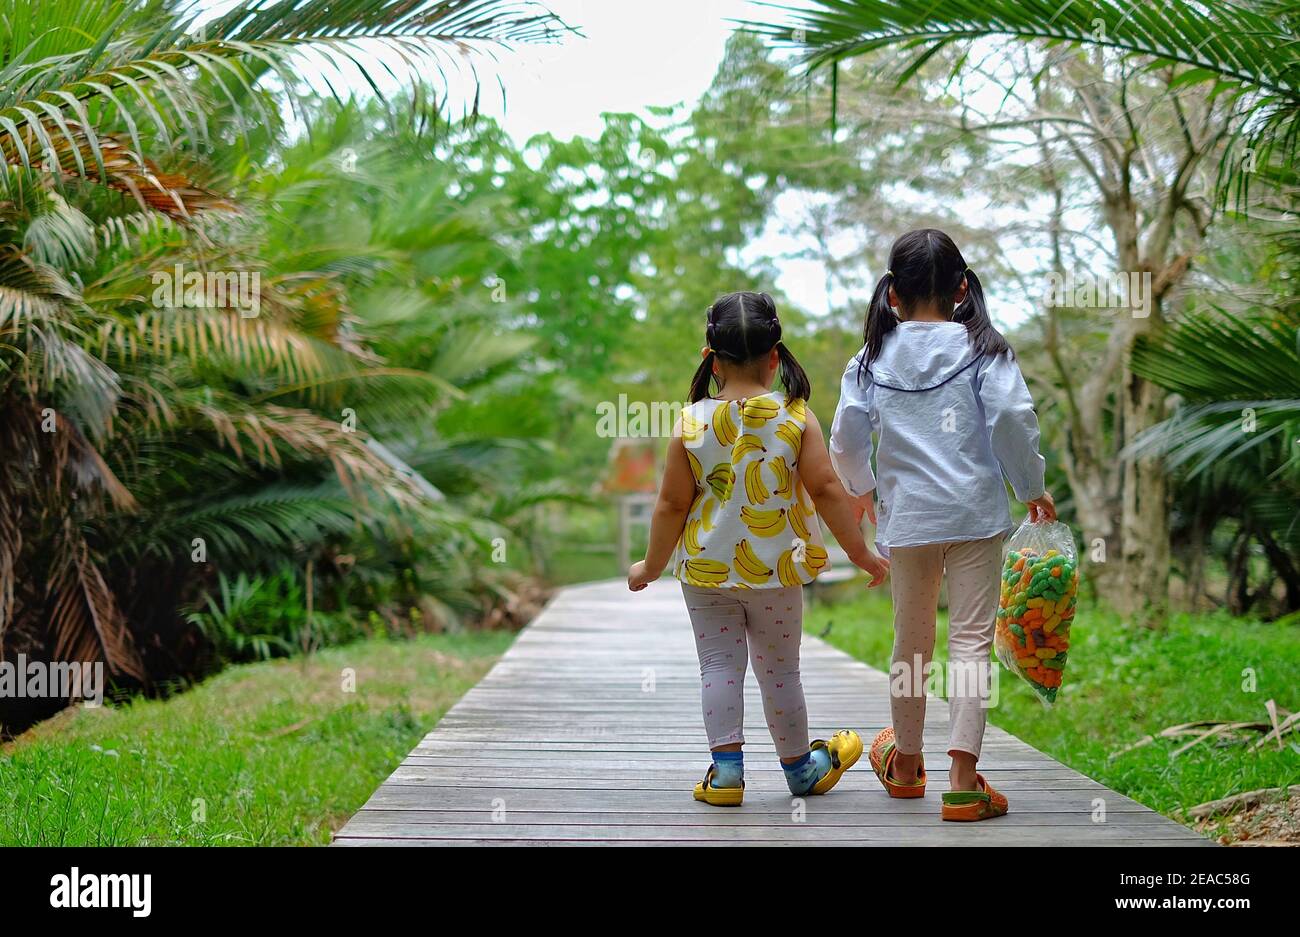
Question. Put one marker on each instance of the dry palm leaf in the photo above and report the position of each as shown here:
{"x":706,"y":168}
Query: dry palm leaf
{"x":85,"y":620}
{"x":70,"y":150}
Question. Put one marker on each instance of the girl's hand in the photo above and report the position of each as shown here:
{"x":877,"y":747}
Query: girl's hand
{"x":865,"y":504}
{"x":1042,"y":509}
{"x":638,"y":577}
{"x":876,"y":566}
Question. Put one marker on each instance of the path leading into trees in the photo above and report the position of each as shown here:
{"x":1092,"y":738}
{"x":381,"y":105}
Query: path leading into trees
{"x":588,"y":731}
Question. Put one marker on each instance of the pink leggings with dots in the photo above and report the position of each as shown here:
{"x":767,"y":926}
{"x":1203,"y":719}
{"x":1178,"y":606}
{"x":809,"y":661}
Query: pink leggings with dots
{"x":915,"y":574}
{"x":761,"y":626}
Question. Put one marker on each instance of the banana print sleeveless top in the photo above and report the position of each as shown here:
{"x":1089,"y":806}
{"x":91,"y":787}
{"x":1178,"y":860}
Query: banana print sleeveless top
{"x":752,"y":526}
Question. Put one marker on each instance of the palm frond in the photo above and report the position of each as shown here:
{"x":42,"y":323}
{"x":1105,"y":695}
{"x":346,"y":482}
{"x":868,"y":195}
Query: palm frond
{"x":264,"y":434}
{"x":1249,"y":48}
{"x":70,"y":150}
{"x":1239,"y":378}
{"x":1213,"y":355}
{"x":154,"y":66}
{"x":60,"y":235}
{"x":266,"y":522}
{"x":30,"y":292}
{"x":85,"y":620}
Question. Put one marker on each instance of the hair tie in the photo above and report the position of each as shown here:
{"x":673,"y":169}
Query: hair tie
{"x":889,"y":273}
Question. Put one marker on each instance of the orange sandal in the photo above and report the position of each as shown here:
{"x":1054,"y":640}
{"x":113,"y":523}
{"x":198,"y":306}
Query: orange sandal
{"x":882,"y":759}
{"x":983,"y":804}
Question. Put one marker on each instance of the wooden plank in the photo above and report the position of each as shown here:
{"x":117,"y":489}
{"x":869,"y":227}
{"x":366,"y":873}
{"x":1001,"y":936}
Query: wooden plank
{"x":920,"y":834}
{"x":588,"y":732}
{"x":769,"y":801}
{"x":1028,"y":841}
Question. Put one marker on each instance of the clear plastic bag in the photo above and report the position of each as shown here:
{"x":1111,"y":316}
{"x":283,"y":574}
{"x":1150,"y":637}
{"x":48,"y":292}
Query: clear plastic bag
{"x":1040,"y":585}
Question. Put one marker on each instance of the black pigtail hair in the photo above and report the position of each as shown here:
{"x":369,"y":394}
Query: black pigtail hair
{"x":926,"y":265}
{"x":740,"y":328}
{"x":880,"y":321}
{"x":702,"y":378}
{"x":793,"y":377}
{"x":973,"y":312}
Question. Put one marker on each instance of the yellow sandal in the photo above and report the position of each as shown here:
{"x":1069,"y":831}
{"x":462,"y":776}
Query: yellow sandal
{"x":845,"y":748}
{"x":718,"y":796}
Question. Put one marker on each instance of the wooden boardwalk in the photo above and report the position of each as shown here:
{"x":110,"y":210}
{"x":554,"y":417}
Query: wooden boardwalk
{"x":588,"y":731}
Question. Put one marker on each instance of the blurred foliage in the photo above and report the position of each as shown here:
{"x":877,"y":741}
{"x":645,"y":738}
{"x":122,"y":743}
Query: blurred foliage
{"x":152,"y":433}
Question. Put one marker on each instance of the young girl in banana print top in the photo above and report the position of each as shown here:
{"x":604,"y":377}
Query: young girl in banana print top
{"x":747,"y":473}
{"x":749,"y":525}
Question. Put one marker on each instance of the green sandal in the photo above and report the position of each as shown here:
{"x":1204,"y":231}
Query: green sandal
{"x":983,"y":804}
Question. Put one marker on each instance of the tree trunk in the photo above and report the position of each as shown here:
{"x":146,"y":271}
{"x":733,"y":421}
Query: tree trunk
{"x":1194,"y":569}
{"x":1094,"y":511}
{"x":1144,"y":519}
{"x":1285,"y":567}
{"x":1237,"y":598}
{"x":1144,"y":492}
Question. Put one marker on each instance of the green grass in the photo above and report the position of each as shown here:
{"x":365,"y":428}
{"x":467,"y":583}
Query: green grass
{"x":583,"y":545}
{"x":1124,"y":683}
{"x":262,"y":754}
{"x":567,"y":564}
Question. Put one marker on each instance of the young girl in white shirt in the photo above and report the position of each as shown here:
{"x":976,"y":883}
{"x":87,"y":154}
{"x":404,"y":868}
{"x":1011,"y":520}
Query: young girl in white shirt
{"x":940,"y":388}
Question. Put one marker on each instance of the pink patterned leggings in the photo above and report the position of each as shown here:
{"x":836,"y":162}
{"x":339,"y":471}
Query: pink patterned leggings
{"x":760,"y":626}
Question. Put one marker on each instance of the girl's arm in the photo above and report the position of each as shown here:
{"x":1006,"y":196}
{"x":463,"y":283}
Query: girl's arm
{"x":676,"y":495}
{"x":833,"y":502}
{"x":1013,"y":430}
{"x":851,"y":440}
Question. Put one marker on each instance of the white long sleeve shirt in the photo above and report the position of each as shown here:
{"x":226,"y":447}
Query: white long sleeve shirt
{"x":950,"y":425}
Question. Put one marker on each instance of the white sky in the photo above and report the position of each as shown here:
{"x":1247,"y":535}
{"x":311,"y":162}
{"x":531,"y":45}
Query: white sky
{"x":632,"y":56}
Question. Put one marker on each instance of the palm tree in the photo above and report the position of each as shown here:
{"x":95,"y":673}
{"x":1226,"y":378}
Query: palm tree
{"x":1251,"y":49}
{"x":1235,"y":441}
{"x":105,"y":396}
